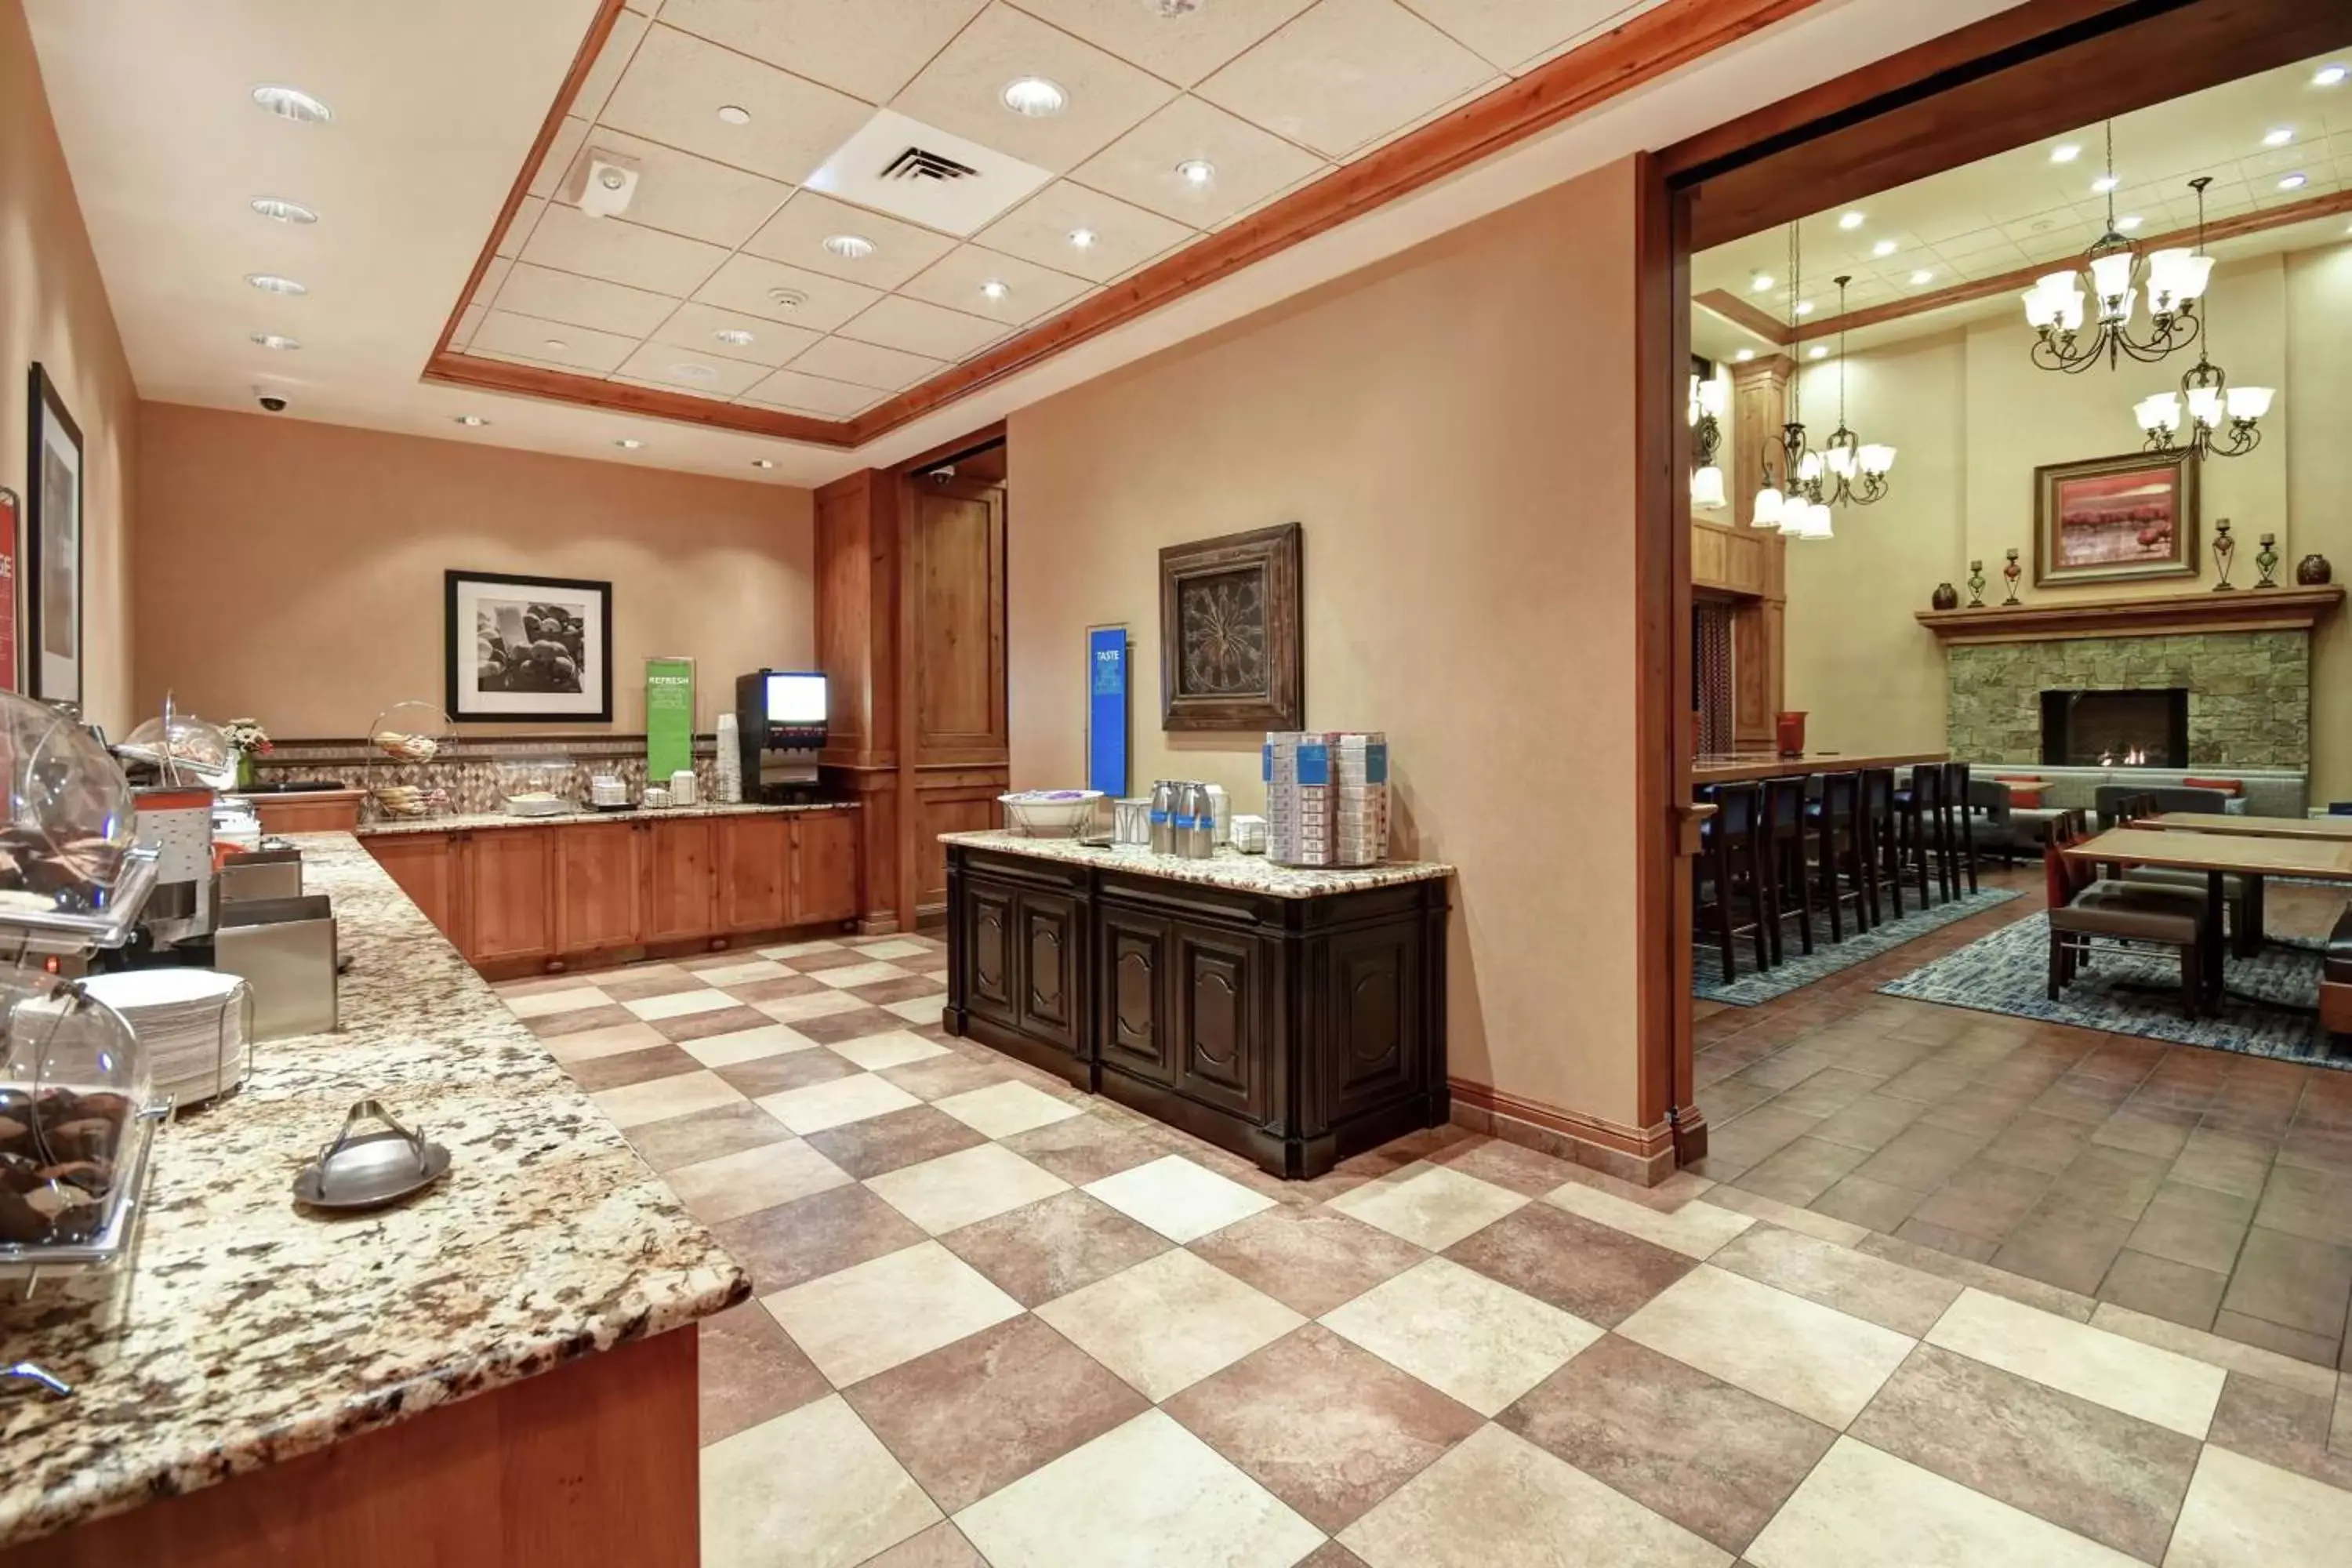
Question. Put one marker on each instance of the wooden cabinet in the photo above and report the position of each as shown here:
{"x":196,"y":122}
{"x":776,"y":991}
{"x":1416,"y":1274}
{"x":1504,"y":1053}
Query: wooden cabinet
{"x":1133,"y":1029}
{"x":823,"y":871}
{"x":682,"y":884}
{"x":599,"y":870}
{"x":755,"y":872}
{"x":509,"y":906}
{"x":1220,"y":1056}
{"x":425,"y":865}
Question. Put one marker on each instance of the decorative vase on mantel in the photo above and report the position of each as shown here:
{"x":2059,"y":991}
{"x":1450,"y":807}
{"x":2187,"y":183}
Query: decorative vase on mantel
{"x":2225,"y":549}
{"x":2266,"y":562}
{"x":2010,"y":573}
{"x":2313,"y":570}
{"x":1945,"y":598}
{"x":1976,"y":584}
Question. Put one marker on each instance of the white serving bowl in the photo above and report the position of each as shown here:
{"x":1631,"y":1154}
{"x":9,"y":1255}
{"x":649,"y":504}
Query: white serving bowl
{"x":1050,"y":813}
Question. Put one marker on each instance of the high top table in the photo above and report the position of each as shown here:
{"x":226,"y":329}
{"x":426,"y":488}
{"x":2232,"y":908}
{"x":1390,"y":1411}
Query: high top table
{"x":1748,"y":767}
{"x":2220,"y":855}
{"x":2335,"y":829}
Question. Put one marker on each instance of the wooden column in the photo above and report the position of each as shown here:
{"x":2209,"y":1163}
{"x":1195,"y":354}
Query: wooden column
{"x":1759,"y":400}
{"x":858,"y":572}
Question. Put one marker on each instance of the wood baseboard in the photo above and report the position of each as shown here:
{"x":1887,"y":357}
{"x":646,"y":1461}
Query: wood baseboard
{"x":1643,"y":1155}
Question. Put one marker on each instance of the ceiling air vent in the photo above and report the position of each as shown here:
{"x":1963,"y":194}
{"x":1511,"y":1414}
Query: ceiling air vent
{"x":914,"y":164}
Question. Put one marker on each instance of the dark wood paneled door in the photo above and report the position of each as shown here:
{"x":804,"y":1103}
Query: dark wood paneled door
{"x":1221,"y":1052}
{"x":988,"y":977}
{"x":1048,"y":966}
{"x":1133,"y":996}
{"x":1374,"y":1041}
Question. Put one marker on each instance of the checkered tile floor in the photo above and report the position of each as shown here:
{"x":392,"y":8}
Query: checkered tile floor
{"x":1000,"y":1323}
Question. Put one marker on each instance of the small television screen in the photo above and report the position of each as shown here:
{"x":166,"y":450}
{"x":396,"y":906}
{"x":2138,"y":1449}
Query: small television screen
{"x":796,"y":698}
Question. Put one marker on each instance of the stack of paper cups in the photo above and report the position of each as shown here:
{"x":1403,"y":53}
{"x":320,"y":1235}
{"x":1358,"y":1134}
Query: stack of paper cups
{"x":731,"y":762}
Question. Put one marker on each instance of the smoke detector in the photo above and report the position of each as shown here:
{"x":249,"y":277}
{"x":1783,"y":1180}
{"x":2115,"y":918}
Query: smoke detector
{"x":603,"y":184}
{"x":1173,"y":8}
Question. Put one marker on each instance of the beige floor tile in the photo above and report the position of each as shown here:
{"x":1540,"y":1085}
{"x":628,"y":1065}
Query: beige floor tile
{"x":2241,"y":1511}
{"x":657,"y":1100}
{"x":1498,"y":1501}
{"x":540,"y":1004}
{"x":615,"y":1039}
{"x":2229,"y":1355}
{"x":921,"y":1010}
{"x":815,"y":1107}
{"x":816,"y":1005}
{"x":747,"y":1045}
{"x":679,"y":1003}
{"x":791,"y":950}
{"x":1695,"y":1229}
{"x":1169,"y":1321}
{"x":1862,"y":1509}
{"x":958,"y":1189}
{"x":1462,"y":1333}
{"x":850,"y":974}
{"x":1001,"y":1109}
{"x":811,"y":1490}
{"x":1147,"y":1494}
{"x":1180,"y":1200}
{"x":892,"y":1049}
{"x":1885,"y":1293}
{"x":737,"y":1185}
{"x":2155,"y":1385}
{"x":1814,"y":1359}
{"x":871,"y":1317}
{"x":897,"y":947}
{"x":1809,"y":1221}
{"x":1430,"y":1205}
{"x":727,"y":975}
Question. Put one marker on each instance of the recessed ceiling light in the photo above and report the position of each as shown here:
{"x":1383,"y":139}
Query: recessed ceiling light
{"x":1744,"y":356}
{"x":2278,"y":136}
{"x":628,"y":442}
{"x":1817,"y":352}
{"x":2329,"y":76}
{"x":1884,"y":248}
{"x":994,"y":289}
{"x":735,"y":335}
{"x":1922,"y":276}
{"x":1762,"y":281}
{"x":270,"y":283}
{"x":1173,"y":8}
{"x":474,"y":421}
{"x":1804,"y":307}
{"x":1084,"y":238}
{"x":694,"y":372}
{"x":849,"y":246}
{"x":2064,"y":152}
{"x":275,"y":341}
{"x":787,"y":299}
{"x":558,"y":344}
{"x":292,"y":103}
{"x":734,"y":114}
{"x":1034,"y":97}
{"x":1849,"y":220}
{"x":1197,"y":171}
{"x":2129,"y":222}
{"x":2292,"y":181}
{"x":2103,"y":183}
{"x":278,"y":210}
{"x":764,"y":462}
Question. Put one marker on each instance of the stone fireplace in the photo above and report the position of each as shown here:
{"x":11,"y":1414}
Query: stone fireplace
{"x":2147,"y":728}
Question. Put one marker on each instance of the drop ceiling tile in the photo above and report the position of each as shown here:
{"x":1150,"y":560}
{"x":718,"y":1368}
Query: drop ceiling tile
{"x":926,"y":174}
{"x":1182,"y":49}
{"x":543,"y":341}
{"x":560,"y":154}
{"x":870,"y":50}
{"x":1250,"y":163}
{"x":628,"y":31}
{"x":964,"y":89}
{"x":518,"y":230}
{"x":667,"y":366}
{"x":797,"y":234}
{"x":619,"y":252}
{"x":772,"y":343}
{"x":1604,"y":18}
{"x":1313,"y":173}
{"x":1126,"y":237}
{"x":913,"y":327}
{"x":747,"y":284}
{"x":583,"y":301}
{"x":679,"y":192}
{"x":467,"y":320}
{"x":802,"y":393}
{"x":1459,"y":101}
{"x":956,"y":282}
{"x":1344,"y":73}
{"x":1509,"y":33}
{"x":673,"y":91}
{"x":839,"y":359}
{"x":494,"y":278}
{"x":681,"y":388}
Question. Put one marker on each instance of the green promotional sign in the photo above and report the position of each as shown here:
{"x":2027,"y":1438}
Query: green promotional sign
{"x":669,"y":718}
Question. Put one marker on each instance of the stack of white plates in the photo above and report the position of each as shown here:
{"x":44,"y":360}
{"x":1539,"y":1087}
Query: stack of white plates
{"x":191,"y":1021}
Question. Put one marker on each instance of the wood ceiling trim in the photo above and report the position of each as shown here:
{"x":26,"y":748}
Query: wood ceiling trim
{"x":1643,"y":48}
{"x":1741,"y":313}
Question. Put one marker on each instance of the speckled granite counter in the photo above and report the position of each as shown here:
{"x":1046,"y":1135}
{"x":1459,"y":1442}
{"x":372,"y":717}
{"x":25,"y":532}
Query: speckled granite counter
{"x":253,"y":1333}
{"x":475,"y":821}
{"x":1228,"y":869}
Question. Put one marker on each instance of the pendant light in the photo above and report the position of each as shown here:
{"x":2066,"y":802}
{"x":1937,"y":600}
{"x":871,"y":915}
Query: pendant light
{"x":1847,"y":470}
{"x":2211,"y":398}
{"x":1711,"y":400}
{"x":2174,"y":279}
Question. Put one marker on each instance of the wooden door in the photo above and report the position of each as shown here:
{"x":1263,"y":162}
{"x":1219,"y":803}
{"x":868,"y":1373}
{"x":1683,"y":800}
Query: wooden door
{"x":755,"y":856}
{"x":825,"y":868}
{"x":988,"y":977}
{"x":1374,"y":1040}
{"x":1050,"y":980}
{"x":1220,"y":1049}
{"x":510,"y":894}
{"x":599,"y":883}
{"x":681,"y":880}
{"x":1133,"y":988}
{"x":425,"y":865}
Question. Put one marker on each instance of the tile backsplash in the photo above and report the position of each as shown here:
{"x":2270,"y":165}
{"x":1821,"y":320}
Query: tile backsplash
{"x":469,"y":770}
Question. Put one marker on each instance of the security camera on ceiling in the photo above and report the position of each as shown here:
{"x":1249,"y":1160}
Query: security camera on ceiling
{"x":602,"y":183}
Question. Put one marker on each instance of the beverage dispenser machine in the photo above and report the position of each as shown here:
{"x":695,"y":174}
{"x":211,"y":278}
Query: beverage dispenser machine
{"x":779,"y":717}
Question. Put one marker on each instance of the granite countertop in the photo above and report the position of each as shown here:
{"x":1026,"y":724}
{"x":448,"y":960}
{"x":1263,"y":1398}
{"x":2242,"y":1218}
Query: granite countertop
{"x":251,"y":1333}
{"x":482,"y":819}
{"x":1227,"y":868}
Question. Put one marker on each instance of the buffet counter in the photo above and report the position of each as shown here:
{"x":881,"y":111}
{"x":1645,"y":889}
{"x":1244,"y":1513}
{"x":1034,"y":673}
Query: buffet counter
{"x":483,"y":1374}
{"x":471,"y":822}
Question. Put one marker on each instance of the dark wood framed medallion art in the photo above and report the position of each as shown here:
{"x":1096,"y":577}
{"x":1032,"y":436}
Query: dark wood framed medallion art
{"x":1232,"y":652}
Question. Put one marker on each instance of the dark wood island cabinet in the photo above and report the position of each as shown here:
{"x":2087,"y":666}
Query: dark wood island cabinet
{"x":1294,"y":1017}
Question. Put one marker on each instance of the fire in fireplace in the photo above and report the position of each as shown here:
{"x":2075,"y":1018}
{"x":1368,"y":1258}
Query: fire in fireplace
{"x":2148,"y":728}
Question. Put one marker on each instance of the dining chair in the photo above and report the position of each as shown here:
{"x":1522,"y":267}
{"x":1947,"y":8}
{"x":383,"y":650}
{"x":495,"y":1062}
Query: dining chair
{"x":1881,"y":842}
{"x":1783,"y":831}
{"x":1845,"y":876}
{"x":1730,"y":860}
{"x":1962,"y":838}
{"x":2087,"y":910}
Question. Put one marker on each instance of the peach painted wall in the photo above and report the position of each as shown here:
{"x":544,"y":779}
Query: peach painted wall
{"x":1455,"y":429}
{"x":53,"y":309}
{"x":293,"y":571}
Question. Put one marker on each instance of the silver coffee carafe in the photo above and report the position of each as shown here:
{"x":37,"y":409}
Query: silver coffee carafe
{"x":1163,"y":808}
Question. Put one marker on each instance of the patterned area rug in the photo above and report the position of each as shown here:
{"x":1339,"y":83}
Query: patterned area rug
{"x":1752,"y":988}
{"x":2133,"y":994}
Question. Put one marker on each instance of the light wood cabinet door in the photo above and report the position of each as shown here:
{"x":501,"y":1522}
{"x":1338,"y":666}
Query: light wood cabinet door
{"x":825,"y":868}
{"x":681,"y":881}
{"x":425,"y":865}
{"x":510,"y":894}
{"x":599,"y":884}
{"x":754,"y":873}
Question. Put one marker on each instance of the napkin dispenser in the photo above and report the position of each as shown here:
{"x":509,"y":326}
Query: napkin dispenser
{"x":285,"y":950}
{"x":261,"y":874}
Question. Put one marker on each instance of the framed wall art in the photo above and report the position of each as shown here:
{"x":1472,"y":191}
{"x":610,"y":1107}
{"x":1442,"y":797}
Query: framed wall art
{"x":2110,"y":520}
{"x":1232,"y":652}
{"x":53,"y":526}
{"x":529,"y":650}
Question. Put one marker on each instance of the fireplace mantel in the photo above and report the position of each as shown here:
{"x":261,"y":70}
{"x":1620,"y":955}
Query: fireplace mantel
{"x":2244,"y":610}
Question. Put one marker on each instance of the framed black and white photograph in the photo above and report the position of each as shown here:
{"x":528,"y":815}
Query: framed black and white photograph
{"x":525,"y":649}
{"x":53,"y":489}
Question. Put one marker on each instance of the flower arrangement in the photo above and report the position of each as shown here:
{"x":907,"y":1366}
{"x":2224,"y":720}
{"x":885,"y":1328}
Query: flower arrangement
{"x":248,"y":737}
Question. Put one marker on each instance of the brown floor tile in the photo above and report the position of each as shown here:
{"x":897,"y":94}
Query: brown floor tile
{"x":638,"y":984}
{"x":1082,"y":1149}
{"x":1331,"y":1554}
{"x":2161,"y":1288}
{"x":1602,"y":1275}
{"x":1790,"y":1065}
{"x":2159,"y":1132}
{"x":1044,"y":1250}
{"x":2063,"y":1246}
{"x":2293,"y":1281}
{"x":1844,"y":1278}
{"x":824,"y":959}
{"x":1745,"y":1140}
{"x":1327,"y":1428}
{"x":1713,"y":1458}
{"x":1880,"y":1206}
{"x":1984,"y":1199}
{"x":1828,"y":1091}
{"x":1310,"y":1261}
{"x":882,"y":993}
{"x":2226,"y":1162}
{"x":1930,"y":1082}
{"x":1729,"y":1097}
{"x":2079,"y":1099}
{"x":2313,"y":1204}
{"x":1976,"y":1110}
{"x":793,"y":1070}
{"x":812,"y":1236}
{"x":2279,"y":1426}
{"x":1921,"y":1158}
{"x":940,"y":1077}
{"x":1943,"y":1238}
{"x":2315,"y":1147}
{"x":2040,"y":1142}
{"x":2102,"y":1474}
{"x":977,"y":1414}
{"x":1802,"y":1171}
{"x":580,"y":1020}
{"x":718,"y":1021}
{"x":751,"y":1371}
{"x":775,"y":988}
{"x":2320,"y":1350}
{"x":2196,"y":1226}
{"x":2074,"y":1305}
{"x":705,"y":1135}
{"x":631,"y":1067}
{"x":941,"y":1546}
{"x":835,"y":1027}
{"x":886,"y":1142}
{"x":2113,"y":1182}
{"x":1506,"y":1164}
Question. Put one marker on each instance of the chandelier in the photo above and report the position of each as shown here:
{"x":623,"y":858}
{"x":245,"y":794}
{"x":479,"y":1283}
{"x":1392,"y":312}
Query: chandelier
{"x":2173,"y":278}
{"x":1711,"y":400}
{"x":2210,"y":397}
{"x":1846,"y":471}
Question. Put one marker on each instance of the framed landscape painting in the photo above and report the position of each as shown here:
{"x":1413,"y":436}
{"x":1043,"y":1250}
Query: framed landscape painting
{"x":2115,"y":519}
{"x":528,"y":649}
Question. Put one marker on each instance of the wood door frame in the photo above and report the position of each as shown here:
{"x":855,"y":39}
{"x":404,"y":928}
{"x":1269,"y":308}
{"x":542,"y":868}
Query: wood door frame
{"x":2041,"y":69}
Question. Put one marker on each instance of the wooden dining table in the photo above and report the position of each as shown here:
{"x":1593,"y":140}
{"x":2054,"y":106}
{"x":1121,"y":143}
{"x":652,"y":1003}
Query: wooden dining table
{"x":2323,"y":829}
{"x":2219,"y":854}
{"x":1748,"y":767}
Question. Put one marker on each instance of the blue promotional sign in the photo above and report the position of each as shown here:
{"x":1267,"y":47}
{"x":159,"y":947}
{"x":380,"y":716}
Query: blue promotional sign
{"x":1107,"y":711}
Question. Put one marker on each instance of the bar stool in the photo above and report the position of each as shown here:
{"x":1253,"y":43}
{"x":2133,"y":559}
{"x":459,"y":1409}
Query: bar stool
{"x":1835,"y":819}
{"x":1730,"y":854}
{"x":1964,"y":828}
{"x":1783,"y":833}
{"x":1881,"y":845}
{"x":1927,"y":828}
